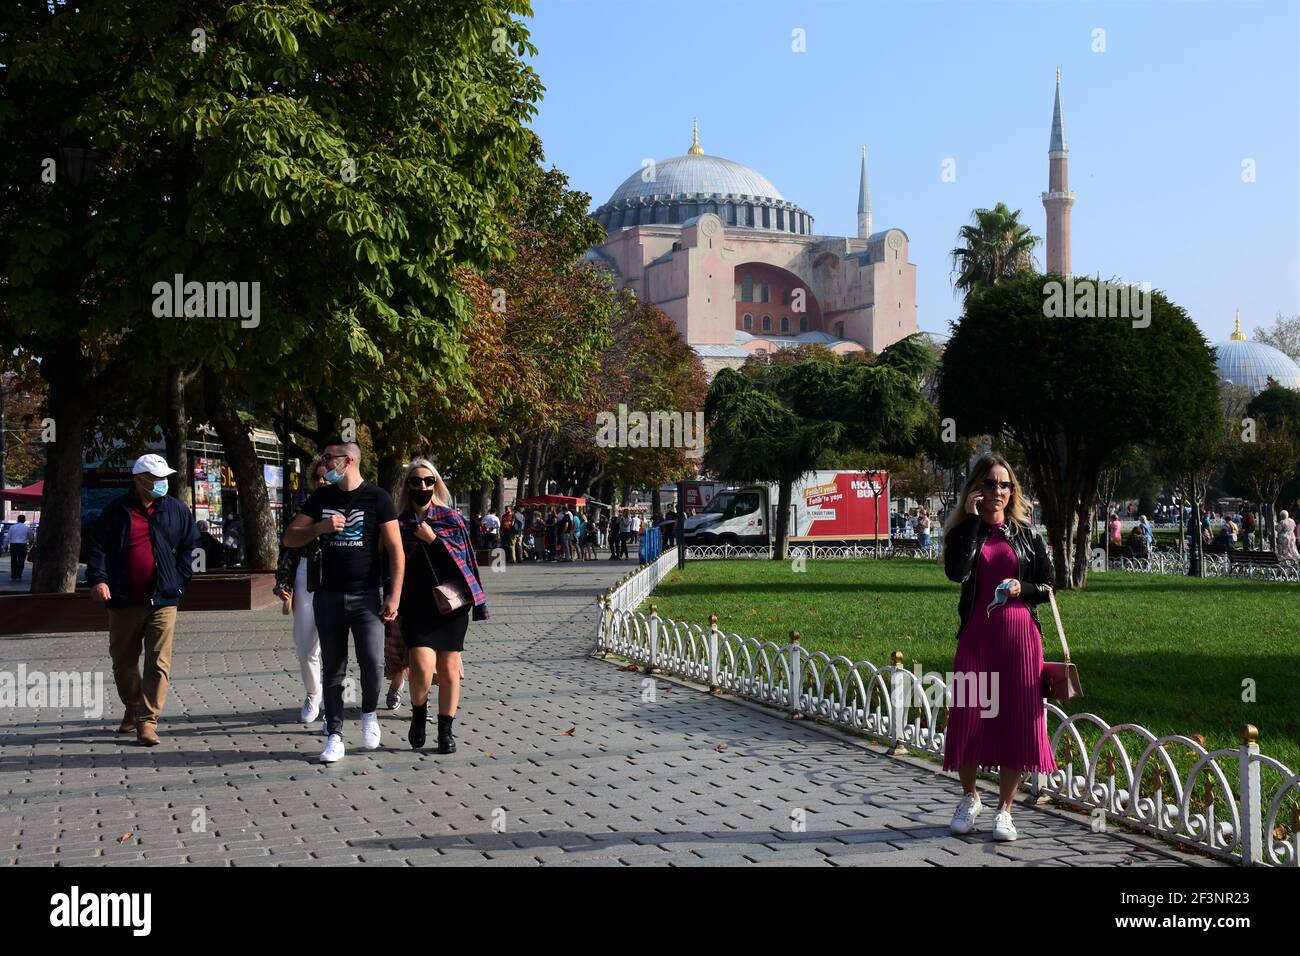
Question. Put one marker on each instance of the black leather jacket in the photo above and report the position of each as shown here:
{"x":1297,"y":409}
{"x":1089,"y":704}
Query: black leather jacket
{"x":961,"y":548}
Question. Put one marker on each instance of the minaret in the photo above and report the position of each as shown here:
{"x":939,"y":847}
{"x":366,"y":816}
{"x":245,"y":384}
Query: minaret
{"x":696,"y":149}
{"x":1058,"y":199}
{"x":864,"y":201}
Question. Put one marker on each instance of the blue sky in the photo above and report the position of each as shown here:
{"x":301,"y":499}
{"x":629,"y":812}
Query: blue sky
{"x":1158,"y":124}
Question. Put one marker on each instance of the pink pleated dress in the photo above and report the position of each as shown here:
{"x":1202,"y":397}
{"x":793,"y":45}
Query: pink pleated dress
{"x":1006,"y":642}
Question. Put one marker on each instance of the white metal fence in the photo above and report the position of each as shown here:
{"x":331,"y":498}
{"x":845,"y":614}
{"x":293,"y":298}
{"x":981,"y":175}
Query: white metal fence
{"x":1235,"y":803}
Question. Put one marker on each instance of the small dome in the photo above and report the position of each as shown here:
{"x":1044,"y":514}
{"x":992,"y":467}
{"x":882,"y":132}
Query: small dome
{"x":1252,"y":364}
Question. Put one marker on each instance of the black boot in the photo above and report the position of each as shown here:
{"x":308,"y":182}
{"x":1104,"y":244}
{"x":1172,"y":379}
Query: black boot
{"x":446,"y":742}
{"x":419,"y":718}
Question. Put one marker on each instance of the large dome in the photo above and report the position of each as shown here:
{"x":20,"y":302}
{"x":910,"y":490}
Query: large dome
{"x":710,"y":175}
{"x":674,"y":191}
{"x":1252,"y":364}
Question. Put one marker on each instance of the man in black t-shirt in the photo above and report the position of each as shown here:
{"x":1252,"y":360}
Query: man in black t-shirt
{"x":355,"y":521}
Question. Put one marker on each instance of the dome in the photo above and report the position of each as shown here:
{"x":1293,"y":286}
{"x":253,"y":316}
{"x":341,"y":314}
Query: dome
{"x":1252,"y":364}
{"x":676,"y":190}
{"x":709,"y":175}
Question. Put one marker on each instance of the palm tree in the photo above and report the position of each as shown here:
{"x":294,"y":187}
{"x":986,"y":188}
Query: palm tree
{"x":996,"y":246}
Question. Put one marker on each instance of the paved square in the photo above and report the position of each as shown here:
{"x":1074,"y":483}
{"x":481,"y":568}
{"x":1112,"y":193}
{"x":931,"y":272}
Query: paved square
{"x":560,"y":763}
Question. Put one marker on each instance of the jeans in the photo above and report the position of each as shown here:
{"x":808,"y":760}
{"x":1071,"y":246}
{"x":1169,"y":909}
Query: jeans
{"x":305,"y":639}
{"x":336,"y":614}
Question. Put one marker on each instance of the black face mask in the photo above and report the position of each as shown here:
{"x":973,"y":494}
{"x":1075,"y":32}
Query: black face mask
{"x":421,"y":497}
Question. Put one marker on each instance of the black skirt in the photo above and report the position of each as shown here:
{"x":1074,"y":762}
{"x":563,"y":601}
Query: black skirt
{"x":423,"y":626}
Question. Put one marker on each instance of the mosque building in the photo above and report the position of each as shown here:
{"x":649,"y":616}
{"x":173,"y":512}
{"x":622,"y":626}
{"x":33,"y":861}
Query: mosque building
{"x":1252,"y":364}
{"x":740,"y":269}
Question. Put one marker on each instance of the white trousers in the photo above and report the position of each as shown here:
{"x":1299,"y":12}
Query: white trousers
{"x":305,"y":639}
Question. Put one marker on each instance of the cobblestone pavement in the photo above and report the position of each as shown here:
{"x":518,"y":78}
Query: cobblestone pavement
{"x":561,"y":762}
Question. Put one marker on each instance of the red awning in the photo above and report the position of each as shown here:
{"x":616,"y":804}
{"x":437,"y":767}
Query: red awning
{"x":552,"y":500}
{"x":31,"y":495}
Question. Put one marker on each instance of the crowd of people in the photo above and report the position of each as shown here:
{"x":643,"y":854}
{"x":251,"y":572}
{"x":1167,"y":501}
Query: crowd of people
{"x":563,"y":533}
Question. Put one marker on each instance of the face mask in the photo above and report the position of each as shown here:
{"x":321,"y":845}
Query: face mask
{"x":422,"y":497}
{"x":333,"y":477}
{"x":159,"y":488}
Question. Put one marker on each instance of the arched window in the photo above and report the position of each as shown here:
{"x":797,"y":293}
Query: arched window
{"x":766,"y":292}
{"x":747,"y":288}
{"x":767,"y":323}
{"x":803,"y":323}
{"x":785,"y":323}
{"x":785,"y":296}
{"x":748,"y":321}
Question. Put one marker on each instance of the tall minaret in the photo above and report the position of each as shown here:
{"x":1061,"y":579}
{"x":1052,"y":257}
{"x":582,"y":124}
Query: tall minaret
{"x":864,"y":201}
{"x":1058,"y":199}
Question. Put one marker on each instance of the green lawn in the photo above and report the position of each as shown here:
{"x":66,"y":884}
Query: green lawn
{"x":1167,"y":652}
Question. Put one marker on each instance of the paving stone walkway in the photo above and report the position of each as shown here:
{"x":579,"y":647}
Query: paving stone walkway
{"x":562,"y":762}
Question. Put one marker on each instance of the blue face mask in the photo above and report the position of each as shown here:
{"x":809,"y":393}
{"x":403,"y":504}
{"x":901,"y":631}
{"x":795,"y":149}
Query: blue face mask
{"x":159,"y":488}
{"x":333,"y":477}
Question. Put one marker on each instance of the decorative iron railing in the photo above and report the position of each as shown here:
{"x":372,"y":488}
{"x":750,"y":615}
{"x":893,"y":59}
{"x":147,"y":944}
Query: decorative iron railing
{"x":1234,"y":803}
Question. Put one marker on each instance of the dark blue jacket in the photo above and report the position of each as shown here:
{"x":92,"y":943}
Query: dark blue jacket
{"x":174,"y":537}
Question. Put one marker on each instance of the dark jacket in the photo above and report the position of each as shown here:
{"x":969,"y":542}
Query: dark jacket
{"x":961,"y":547}
{"x":286,"y":570}
{"x":174,"y":538}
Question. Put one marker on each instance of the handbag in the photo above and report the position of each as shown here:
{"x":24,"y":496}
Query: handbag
{"x":447,"y":597}
{"x":1060,"y":678}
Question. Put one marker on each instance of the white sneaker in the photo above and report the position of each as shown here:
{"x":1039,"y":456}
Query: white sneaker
{"x":333,"y":749}
{"x":963,"y":821}
{"x":370,"y":730}
{"x":1003,"y":829}
{"x":310,"y":709}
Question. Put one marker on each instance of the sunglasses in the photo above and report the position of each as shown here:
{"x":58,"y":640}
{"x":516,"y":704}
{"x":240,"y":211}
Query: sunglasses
{"x":989,"y":484}
{"x":415,"y":481}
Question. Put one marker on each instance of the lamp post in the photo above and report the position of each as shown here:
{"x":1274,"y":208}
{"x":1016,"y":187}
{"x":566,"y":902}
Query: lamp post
{"x":77,"y":162}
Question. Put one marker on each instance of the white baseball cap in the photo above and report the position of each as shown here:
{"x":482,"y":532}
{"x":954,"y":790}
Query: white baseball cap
{"x":154,"y":465}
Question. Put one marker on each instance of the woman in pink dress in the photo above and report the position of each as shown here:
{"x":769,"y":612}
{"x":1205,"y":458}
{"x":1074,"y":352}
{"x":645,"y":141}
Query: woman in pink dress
{"x":996,"y":716}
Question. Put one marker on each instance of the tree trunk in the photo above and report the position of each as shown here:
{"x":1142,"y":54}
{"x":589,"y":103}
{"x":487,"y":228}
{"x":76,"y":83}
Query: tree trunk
{"x":261,"y":544}
{"x":498,"y":493}
{"x":55,"y":570}
{"x":781,"y":543}
{"x":656,"y":503}
{"x":390,"y":460}
{"x":176,"y":429}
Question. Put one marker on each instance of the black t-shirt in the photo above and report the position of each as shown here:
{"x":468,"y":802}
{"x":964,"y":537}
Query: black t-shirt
{"x":350,"y":557}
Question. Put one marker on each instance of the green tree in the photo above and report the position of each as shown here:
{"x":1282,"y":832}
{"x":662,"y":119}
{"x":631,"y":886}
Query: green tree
{"x":347,"y":158}
{"x":1072,"y":392}
{"x":775,"y":422}
{"x":995,"y":246}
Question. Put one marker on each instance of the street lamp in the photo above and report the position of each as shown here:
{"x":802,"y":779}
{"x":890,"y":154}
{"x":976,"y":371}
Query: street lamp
{"x":77,"y":163}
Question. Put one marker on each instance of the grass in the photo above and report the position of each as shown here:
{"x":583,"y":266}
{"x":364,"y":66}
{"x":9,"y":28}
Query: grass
{"x":1170,"y":653}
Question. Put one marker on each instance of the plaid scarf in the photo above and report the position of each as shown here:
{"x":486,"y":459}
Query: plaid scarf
{"x":448,"y":525}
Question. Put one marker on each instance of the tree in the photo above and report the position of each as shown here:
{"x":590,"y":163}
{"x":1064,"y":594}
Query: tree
{"x":1284,"y":335}
{"x":345,"y":159}
{"x":1072,"y":392}
{"x":994,"y":247}
{"x":774,"y":422}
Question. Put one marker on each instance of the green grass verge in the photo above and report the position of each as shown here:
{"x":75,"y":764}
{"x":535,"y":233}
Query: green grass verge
{"x":1170,"y":653}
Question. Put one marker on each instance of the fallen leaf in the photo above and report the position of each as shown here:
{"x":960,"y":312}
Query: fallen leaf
{"x":1127,"y":861}
{"x":125,"y":837}
{"x":488,"y":754}
{"x":298,"y":744}
{"x":631,"y":667}
{"x":720,"y":747}
{"x":1279,"y":833}
{"x":1199,"y":738}
{"x":366,"y":771}
{"x":568,"y":733}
